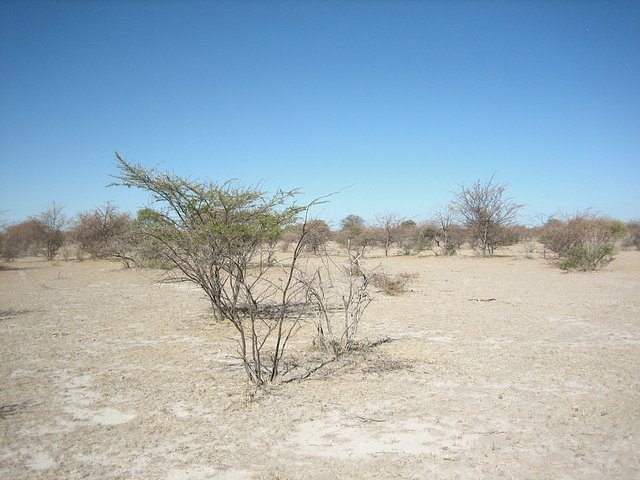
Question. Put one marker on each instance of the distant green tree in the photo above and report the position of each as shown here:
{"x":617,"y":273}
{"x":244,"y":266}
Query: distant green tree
{"x":352,"y":225}
{"x":407,"y":235}
{"x":355,"y":235}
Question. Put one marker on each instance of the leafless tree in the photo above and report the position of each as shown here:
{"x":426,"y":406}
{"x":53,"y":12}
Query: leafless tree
{"x":103,"y":232}
{"x":53,"y":222}
{"x":486,"y":213}
{"x":339,"y":302}
{"x":449,"y":234}
{"x":389,"y":226}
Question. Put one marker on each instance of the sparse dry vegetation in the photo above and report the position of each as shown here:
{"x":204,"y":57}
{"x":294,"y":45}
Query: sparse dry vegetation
{"x":632,"y":238}
{"x":39,"y":235}
{"x":487,"y":214}
{"x":202,"y":308}
{"x":388,"y":229}
{"x":340,"y":295}
{"x":103,"y":232}
{"x":391,"y":284}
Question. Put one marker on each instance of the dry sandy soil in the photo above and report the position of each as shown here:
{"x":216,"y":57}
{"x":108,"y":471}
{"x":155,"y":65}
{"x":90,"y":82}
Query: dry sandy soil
{"x":499,"y":368}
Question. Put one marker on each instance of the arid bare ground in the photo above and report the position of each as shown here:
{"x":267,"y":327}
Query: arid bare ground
{"x":499,"y":368}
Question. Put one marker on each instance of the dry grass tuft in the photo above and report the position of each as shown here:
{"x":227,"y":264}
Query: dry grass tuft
{"x":392,"y":284}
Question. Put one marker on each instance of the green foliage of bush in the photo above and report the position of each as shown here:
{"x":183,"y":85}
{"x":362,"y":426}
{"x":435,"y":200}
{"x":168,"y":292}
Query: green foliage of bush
{"x":354,"y":234}
{"x":221,"y":237}
{"x":589,"y":257}
{"x":583,"y":241}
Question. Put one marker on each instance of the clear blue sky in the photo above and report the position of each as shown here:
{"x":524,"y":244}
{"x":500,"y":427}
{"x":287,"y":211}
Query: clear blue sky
{"x":405,"y":101}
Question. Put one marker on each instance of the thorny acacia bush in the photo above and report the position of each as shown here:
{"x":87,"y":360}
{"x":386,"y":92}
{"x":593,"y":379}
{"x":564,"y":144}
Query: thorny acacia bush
{"x":50,"y":235}
{"x":487,"y":214}
{"x":440,"y":236}
{"x":583,"y":242}
{"x":632,"y":238}
{"x":591,"y":256}
{"x":147,"y":251}
{"x":317,"y":234}
{"x":39,"y":235}
{"x":21,"y":239}
{"x":354,"y":235}
{"x":449,"y":236}
{"x":387,"y":231}
{"x":339,"y":302}
{"x":222,"y":238}
{"x":103,"y":232}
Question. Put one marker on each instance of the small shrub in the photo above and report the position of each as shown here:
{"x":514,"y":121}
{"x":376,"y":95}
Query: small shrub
{"x":316,"y":234}
{"x":391,"y":284}
{"x":632,"y":238}
{"x":24,"y":238}
{"x":583,"y":242}
{"x":339,"y":303}
{"x":529,"y":248}
{"x":103,"y":232}
{"x":588,"y":257}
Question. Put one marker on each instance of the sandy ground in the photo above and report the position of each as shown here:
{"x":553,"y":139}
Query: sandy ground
{"x":499,"y":368}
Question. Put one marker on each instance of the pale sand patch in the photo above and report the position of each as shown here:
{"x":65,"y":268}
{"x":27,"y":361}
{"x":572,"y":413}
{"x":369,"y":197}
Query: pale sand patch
{"x":111,"y":416}
{"x":39,"y":460}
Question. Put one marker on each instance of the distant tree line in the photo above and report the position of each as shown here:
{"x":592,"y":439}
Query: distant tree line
{"x":479,"y":217}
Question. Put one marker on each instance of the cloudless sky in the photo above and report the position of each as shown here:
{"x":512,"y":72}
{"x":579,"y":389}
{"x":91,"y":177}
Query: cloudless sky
{"x":403,"y":101}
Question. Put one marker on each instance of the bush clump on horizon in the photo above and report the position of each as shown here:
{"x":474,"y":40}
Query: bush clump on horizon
{"x":583,"y":242}
{"x":103,"y":232}
{"x":632,"y":238}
